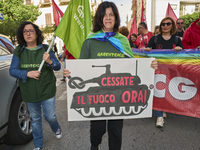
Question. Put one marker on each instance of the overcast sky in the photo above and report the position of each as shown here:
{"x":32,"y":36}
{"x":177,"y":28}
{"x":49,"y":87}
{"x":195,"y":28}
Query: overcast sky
{"x":124,"y":7}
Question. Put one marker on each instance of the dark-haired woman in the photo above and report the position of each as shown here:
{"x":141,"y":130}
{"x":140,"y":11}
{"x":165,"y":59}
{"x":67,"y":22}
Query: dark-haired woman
{"x":38,"y":89}
{"x":165,"y":40}
{"x":132,"y":40}
{"x":156,"y":30}
{"x":106,"y":39}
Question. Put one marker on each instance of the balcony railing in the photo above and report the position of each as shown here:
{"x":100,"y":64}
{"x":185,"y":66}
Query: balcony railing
{"x":64,"y":2}
{"x":45,"y":3}
{"x":93,"y":3}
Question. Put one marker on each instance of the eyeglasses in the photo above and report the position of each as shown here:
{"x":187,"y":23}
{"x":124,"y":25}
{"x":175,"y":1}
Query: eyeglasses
{"x":168,"y":24}
{"x":180,"y":23}
{"x":30,"y":31}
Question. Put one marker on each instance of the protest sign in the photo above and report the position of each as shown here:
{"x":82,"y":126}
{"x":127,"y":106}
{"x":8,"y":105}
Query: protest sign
{"x":99,"y":89}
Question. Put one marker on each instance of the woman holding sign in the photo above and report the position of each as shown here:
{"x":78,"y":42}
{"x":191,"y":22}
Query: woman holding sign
{"x":105,"y":40}
{"x":165,"y":40}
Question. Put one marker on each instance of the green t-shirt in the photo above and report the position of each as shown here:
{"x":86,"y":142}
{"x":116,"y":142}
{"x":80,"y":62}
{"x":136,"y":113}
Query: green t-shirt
{"x":95,"y":49}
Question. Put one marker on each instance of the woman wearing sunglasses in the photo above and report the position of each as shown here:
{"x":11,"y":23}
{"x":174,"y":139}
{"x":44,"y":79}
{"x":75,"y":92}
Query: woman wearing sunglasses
{"x":165,"y":40}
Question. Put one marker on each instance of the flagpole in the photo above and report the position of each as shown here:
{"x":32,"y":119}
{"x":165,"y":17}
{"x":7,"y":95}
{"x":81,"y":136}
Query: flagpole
{"x":48,"y":50}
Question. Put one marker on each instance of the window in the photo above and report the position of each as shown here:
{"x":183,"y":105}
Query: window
{"x":46,"y":1}
{"x":48,"y":19}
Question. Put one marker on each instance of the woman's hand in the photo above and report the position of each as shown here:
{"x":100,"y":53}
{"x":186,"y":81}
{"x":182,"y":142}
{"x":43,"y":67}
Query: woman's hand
{"x":147,"y":48}
{"x":177,"y":48}
{"x":66,"y":73}
{"x":154,"y":64}
{"x":33,"y":74}
{"x":46,"y":57}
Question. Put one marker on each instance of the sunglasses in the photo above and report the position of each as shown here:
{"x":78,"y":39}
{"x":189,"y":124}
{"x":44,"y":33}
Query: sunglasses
{"x":168,"y":24}
{"x":180,"y":22}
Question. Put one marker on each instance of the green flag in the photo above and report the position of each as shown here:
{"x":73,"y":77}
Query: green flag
{"x":75,"y":26}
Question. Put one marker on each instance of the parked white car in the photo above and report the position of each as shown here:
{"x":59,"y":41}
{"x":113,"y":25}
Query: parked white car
{"x":15,"y":120}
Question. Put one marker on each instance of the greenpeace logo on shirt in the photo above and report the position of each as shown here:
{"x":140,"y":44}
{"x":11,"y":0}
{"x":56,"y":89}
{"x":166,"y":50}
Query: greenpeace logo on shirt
{"x":30,"y":65}
{"x":100,"y":54}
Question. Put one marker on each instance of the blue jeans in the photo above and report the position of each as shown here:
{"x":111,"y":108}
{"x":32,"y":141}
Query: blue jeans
{"x":48,"y":107}
{"x":158,"y":113}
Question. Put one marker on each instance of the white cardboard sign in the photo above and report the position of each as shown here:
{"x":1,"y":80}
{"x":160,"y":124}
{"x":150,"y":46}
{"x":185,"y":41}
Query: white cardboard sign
{"x":101,"y":89}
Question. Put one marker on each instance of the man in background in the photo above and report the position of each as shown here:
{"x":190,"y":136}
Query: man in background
{"x":180,"y":29}
{"x":144,"y":37}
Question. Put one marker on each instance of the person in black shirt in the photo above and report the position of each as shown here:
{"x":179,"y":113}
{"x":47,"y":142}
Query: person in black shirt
{"x":180,"y":29}
{"x":164,"y":40}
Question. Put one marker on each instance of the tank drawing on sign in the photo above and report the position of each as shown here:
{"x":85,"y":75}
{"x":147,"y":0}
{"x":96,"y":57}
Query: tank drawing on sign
{"x":118,"y":94}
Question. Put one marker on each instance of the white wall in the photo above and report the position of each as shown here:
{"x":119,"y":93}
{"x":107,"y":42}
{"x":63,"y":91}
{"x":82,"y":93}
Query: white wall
{"x":161,"y":8}
{"x":149,"y":14}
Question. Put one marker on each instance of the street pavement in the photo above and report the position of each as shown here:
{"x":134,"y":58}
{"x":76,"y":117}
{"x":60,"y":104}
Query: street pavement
{"x":178,"y":133}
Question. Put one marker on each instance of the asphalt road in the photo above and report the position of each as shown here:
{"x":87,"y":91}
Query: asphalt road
{"x":179,"y":132}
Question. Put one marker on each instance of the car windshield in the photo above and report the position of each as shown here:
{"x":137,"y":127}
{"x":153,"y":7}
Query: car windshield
{"x":4,"y":51}
{"x":7,"y":44}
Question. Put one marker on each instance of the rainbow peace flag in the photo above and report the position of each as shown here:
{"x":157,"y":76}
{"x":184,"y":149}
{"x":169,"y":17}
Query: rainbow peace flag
{"x":169,"y":56}
{"x":117,"y":40}
{"x":177,"y":82}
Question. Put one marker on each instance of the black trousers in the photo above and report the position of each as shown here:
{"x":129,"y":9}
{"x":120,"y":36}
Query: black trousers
{"x":114,"y":127}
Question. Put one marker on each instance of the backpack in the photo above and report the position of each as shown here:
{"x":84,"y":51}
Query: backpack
{"x":156,"y":38}
{"x":21,"y":50}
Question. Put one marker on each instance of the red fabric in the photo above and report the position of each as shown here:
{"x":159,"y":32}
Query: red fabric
{"x":170,"y":13}
{"x":177,"y":89}
{"x":57,"y":13}
{"x":191,"y":36}
{"x":143,"y":16}
{"x":139,"y":41}
{"x":133,"y":27}
{"x":68,"y":54}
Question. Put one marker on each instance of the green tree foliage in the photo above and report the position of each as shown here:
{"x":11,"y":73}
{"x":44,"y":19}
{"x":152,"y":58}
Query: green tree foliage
{"x":15,"y":12}
{"x":189,"y":18}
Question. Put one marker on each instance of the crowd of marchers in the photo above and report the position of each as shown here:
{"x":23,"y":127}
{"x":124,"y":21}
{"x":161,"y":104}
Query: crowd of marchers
{"x":167,"y":35}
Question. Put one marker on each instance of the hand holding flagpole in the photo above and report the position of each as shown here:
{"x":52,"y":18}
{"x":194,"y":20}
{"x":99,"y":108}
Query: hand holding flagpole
{"x":48,"y":50}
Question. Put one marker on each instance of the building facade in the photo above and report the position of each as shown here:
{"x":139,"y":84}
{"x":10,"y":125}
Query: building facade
{"x":46,"y":18}
{"x":156,"y":9}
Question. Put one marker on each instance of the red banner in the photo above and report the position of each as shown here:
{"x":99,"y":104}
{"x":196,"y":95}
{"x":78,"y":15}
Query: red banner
{"x":57,"y":13}
{"x":170,"y":13}
{"x":133,"y":27}
{"x":177,"y":89}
